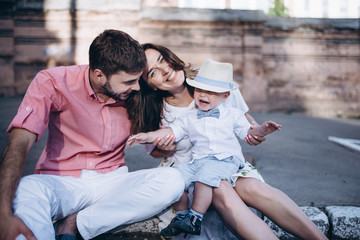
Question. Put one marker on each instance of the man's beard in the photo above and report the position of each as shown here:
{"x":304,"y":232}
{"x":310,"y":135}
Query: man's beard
{"x":110,"y":93}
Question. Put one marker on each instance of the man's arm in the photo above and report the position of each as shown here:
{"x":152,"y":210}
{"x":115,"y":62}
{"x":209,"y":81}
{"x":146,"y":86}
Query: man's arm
{"x":11,"y":169}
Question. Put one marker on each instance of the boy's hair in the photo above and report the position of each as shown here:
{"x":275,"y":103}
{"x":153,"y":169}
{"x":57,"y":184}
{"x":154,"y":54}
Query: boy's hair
{"x":113,"y":51}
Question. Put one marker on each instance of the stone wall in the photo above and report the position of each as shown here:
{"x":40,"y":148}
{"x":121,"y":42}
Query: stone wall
{"x":281,"y":64}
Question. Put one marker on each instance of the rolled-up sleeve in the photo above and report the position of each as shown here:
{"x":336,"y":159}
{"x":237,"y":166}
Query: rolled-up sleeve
{"x":38,"y":102}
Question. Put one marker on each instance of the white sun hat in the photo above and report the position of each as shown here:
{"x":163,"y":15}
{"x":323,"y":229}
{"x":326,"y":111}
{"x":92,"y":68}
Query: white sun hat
{"x":214,"y":76}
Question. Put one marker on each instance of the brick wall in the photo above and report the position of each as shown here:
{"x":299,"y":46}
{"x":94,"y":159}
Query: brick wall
{"x":281,"y":64}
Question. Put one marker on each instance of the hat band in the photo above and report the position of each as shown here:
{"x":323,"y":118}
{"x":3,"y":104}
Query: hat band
{"x":214,"y":83}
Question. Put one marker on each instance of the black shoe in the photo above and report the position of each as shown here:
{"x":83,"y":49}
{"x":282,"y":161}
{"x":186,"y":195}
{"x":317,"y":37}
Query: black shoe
{"x":189,"y":224}
{"x":170,"y":230}
{"x":66,"y":236}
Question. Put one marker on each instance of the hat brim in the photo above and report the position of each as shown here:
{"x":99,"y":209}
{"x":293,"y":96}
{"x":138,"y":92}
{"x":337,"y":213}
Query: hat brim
{"x":210,"y":88}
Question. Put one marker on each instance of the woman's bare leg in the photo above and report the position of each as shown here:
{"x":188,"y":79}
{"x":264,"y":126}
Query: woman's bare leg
{"x":277,"y":206}
{"x":238,"y":216}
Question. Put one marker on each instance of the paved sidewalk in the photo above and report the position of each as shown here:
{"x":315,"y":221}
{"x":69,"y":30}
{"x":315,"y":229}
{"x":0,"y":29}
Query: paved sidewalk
{"x":299,"y":160}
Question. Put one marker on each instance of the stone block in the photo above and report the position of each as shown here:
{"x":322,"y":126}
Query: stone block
{"x":315,"y":214}
{"x":345,"y":222}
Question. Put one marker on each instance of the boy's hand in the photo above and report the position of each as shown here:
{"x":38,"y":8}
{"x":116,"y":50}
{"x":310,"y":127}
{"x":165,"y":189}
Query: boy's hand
{"x":270,"y":127}
{"x":138,"y":138}
{"x":150,"y":137}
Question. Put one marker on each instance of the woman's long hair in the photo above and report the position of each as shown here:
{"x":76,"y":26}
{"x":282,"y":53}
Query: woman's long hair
{"x":145,"y":107}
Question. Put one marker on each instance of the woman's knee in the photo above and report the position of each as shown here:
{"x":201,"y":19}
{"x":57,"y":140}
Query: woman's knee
{"x":221,"y":195}
{"x":253,"y":188}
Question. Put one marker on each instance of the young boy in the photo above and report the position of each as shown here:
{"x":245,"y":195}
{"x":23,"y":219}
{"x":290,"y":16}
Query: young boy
{"x":213,"y":130}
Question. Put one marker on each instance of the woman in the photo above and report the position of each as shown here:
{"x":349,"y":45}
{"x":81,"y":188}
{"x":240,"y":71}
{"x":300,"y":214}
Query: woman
{"x":164,"y":96}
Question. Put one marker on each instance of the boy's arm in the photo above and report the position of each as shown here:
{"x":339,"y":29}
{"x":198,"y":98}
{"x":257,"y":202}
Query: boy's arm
{"x":264,"y":129}
{"x":149,"y":137}
{"x":250,"y":139}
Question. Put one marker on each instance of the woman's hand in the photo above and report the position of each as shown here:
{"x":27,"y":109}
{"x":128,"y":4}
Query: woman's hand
{"x":166,"y":143}
{"x":254,"y":140}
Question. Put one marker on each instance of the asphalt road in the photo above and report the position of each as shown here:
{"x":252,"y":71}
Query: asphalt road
{"x":299,"y":160}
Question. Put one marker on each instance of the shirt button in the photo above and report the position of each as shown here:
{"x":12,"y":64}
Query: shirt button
{"x":90,"y":164}
{"x":27,"y":108}
{"x":107,"y":125}
{"x":106,"y":146}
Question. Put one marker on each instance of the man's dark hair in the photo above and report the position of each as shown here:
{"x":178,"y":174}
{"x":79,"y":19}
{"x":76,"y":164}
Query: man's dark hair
{"x":113,"y":51}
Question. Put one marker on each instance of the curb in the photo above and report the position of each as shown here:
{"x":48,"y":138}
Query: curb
{"x":336,"y":222}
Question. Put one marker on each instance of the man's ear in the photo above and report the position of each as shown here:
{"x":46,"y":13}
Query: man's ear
{"x":99,"y":76}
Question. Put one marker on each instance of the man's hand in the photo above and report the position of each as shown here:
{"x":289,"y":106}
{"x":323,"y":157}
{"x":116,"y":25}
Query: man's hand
{"x":12,"y":226}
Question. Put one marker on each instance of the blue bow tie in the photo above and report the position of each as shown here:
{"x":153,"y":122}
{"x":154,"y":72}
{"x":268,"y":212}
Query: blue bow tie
{"x":211,"y":113}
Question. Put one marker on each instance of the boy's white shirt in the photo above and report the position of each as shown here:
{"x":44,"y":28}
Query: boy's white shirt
{"x":213,"y":136}
{"x":183,"y":148}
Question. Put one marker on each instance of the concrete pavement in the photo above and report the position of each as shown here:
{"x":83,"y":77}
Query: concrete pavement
{"x":299,"y":160}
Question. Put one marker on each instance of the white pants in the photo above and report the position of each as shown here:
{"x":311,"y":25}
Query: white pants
{"x":103,"y":201}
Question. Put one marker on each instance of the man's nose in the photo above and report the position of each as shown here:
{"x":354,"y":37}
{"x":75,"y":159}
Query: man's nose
{"x":136,"y":86}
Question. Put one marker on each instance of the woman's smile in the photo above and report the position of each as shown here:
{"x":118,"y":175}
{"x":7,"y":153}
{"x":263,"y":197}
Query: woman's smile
{"x":172,"y":76}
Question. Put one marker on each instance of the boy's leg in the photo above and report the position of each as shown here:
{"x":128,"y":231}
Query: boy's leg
{"x":181,"y":208}
{"x":129,"y":198}
{"x":182,"y":204}
{"x":202,"y":197}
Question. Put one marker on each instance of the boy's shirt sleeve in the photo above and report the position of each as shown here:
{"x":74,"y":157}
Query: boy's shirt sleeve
{"x":180,"y":127}
{"x":241,"y":124}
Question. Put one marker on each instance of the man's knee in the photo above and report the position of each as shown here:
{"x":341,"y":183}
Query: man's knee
{"x":173,"y":182}
{"x":33,"y":187}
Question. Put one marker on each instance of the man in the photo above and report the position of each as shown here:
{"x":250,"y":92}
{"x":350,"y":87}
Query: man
{"x":82,"y":168}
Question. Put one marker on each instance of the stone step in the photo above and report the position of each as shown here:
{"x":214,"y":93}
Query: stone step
{"x":336,"y":222}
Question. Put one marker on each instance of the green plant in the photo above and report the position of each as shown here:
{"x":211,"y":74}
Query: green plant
{"x":279,"y":9}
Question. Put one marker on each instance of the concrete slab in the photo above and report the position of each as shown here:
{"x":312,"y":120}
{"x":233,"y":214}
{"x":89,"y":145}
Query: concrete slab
{"x":345,"y":222}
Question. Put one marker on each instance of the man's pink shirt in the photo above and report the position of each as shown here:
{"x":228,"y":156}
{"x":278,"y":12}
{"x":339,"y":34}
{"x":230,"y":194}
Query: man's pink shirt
{"x":84,"y":131}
